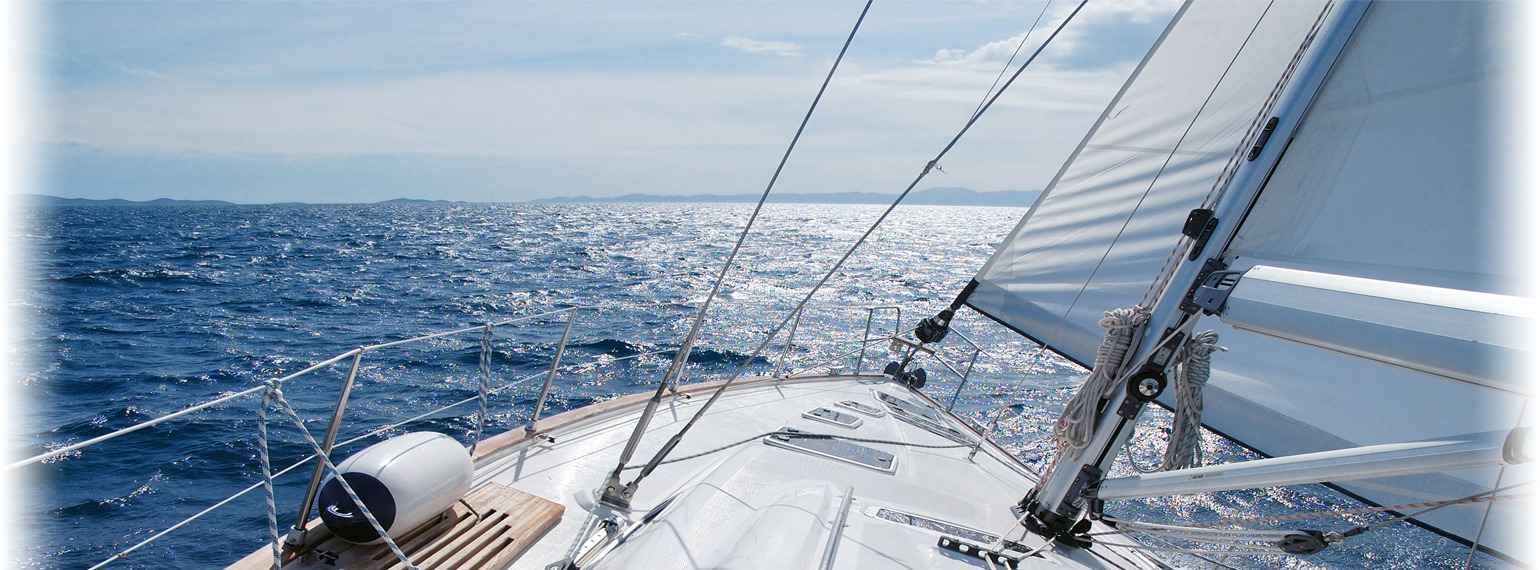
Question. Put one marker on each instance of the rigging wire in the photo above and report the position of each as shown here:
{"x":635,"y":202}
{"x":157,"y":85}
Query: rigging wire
{"x":1246,"y":539}
{"x":1000,"y":412}
{"x":683,"y":355}
{"x":1007,"y":66}
{"x":805,"y":435}
{"x":667,"y":447}
{"x":1355,"y":531}
{"x":1168,"y":269}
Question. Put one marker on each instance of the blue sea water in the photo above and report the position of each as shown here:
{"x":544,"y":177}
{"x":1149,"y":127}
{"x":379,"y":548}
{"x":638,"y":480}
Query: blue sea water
{"x":135,"y":312}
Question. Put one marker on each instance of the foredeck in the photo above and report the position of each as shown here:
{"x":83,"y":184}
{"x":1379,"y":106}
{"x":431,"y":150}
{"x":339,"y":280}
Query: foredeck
{"x":771,"y":506}
{"x":883,"y":497}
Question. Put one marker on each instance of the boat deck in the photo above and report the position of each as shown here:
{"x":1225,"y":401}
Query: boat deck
{"x":764,"y":504}
{"x":901,"y":480}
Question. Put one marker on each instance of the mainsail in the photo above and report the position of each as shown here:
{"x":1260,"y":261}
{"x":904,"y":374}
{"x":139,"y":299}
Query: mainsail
{"x":1394,"y":175}
{"x":1105,"y":224}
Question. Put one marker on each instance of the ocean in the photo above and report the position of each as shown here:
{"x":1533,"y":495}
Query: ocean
{"x":136,"y":312}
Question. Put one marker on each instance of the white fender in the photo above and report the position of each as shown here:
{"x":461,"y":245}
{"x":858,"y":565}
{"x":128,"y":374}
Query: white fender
{"x":405,"y":481}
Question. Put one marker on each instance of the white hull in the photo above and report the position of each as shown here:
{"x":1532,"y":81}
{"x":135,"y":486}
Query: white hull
{"x":764,"y":506}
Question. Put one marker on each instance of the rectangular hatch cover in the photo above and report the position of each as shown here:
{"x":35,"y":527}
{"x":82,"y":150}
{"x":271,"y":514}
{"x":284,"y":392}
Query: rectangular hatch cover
{"x":835,"y":449}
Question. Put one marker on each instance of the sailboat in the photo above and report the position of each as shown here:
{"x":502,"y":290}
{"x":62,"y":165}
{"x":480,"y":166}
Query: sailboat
{"x":1316,"y":182}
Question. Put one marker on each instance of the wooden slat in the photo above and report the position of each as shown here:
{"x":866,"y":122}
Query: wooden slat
{"x":511,"y":521}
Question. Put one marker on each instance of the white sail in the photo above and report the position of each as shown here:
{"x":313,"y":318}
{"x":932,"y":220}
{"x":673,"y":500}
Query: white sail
{"x":1101,"y":230}
{"x":1394,"y":175}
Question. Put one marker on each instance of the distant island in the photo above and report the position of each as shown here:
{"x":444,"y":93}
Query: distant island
{"x":949,"y":196}
{"x":46,"y":200}
{"x":929,"y":197}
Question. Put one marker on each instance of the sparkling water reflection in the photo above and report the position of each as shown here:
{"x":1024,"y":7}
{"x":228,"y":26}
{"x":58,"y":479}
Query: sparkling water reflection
{"x":137,"y":312}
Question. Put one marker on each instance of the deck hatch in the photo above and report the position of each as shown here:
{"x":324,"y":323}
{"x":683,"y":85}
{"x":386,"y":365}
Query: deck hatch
{"x":859,"y":407}
{"x":946,"y":528}
{"x":921,"y":417}
{"x":835,"y":449}
{"x":829,"y":416}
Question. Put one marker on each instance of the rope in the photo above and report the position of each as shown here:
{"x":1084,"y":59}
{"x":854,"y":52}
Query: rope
{"x":1234,"y":541}
{"x":1204,"y":532}
{"x":1185,"y":449}
{"x":1248,"y":549}
{"x":803,"y":435}
{"x":267,"y":475}
{"x":1468,"y":498}
{"x":1072,"y":431}
{"x":283,"y":405}
{"x":486,"y":378}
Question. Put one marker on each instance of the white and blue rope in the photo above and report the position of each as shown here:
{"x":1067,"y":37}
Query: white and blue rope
{"x":316,"y":446}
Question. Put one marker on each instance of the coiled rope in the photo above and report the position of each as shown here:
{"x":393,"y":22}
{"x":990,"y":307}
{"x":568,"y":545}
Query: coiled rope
{"x":1185,"y":449}
{"x":1072,"y":431}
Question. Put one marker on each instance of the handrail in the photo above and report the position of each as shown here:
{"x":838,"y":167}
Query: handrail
{"x":356,"y":354}
{"x":545,"y":390}
{"x":898,"y":319}
{"x":131,"y":429}
{"x":326,"y":445}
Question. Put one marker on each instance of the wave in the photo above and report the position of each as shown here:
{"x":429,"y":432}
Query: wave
{"x":121,"y":276}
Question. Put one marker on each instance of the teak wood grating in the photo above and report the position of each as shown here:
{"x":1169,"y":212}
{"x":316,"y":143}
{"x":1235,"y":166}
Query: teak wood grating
{"x":510,"y":522}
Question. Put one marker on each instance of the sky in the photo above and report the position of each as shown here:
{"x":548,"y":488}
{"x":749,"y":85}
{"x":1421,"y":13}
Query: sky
{"x":258,"y":102}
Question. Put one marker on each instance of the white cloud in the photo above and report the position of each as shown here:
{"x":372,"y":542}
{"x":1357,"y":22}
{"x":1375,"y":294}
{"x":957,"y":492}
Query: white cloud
{"x":993,"y":54}
{"x":595,"y":130}
{"x":756,"y":46}
{"x":139,"y":72}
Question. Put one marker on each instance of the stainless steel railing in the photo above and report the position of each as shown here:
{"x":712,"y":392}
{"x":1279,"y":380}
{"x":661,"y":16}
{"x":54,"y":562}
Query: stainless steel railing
{"x":356,"y":355}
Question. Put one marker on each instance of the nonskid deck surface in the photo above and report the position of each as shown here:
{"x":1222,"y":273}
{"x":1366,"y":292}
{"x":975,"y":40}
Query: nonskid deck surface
{"x":768,"y":504}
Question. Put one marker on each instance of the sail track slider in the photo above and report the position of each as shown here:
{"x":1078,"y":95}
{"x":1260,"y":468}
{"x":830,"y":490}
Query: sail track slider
{"x":1267,"y":133}
{"x":1199,"y":226}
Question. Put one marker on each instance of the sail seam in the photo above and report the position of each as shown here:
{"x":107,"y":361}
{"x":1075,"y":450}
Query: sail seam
{"x":1156,"y":178}
{"x":1167,"y":270}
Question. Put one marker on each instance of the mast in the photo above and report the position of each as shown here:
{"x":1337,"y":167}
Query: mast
{"x":1069,"y":490}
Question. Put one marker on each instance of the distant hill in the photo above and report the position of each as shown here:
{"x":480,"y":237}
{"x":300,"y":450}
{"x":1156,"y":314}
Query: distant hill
{"x":928,"y":197}
{"x":46,"y":200}
{"x":416,"y":201}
